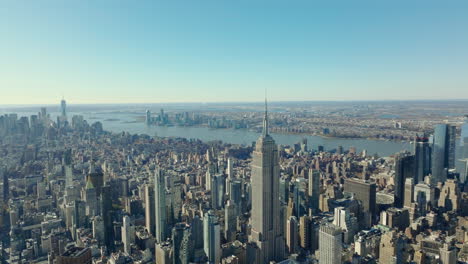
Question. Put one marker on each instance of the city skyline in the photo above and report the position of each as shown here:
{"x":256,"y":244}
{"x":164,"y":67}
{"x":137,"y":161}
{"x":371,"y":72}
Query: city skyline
{"x":234,"y":132}
{"x":226,"y":52}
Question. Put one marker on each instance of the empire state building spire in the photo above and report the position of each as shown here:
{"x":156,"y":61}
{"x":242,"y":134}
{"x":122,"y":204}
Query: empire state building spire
{"x":265,"y":120}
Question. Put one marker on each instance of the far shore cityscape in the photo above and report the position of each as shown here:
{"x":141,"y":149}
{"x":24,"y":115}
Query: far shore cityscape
{"x":362,"y":182}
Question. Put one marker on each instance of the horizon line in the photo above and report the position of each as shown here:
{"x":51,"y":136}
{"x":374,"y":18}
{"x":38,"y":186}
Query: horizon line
{"x":236,"y":102}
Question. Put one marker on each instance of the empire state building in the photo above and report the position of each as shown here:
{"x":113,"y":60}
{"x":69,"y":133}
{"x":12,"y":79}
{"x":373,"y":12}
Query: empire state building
{"x":266,"y":234}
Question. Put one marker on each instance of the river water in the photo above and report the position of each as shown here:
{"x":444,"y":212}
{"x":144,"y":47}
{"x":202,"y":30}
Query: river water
{"x":244,"y":136}
{"x":119,"y":121}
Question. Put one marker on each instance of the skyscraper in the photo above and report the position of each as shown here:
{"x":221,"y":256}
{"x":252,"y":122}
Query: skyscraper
{"x":314,"y":189}
{"x":212,"y":238}
{"x":443,"y":151}
{"x":128,"y":234}
{"x":148,"y":117}
{"x":422,"y":159}
{"x":404,"y":168}
{"x":63,"y":108}
{"x":230,"y":221}
{"x":181,"y":244}
{"x":292,"y":235}
{"x":409,"y":192}
{"x":330,"y":246}
{"x":235,"y":194}
{"x":107,"y":213}
{"x":306,"y":232}
{"x":464,"y":132}
{"x":347,"y":223}
{"x":463,"y":168}
{"x":160,"y":206}
{"x":364,"y":191}
{"x":150,"y":214}
{"x":464,"y":138}
{"x":67,"y":167}
{"x":217,"y":191}
{"x":266,"y":230}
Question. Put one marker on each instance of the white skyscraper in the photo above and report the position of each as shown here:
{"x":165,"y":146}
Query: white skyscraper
{"x":346,"y":222}
{"x":266,"y":233}
{"x":330,"y":246}
{"x":128,"y":234}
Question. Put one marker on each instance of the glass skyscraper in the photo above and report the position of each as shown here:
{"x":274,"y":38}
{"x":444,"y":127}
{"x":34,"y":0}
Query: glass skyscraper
{"x":464,"y":139}
{"x":443,"y":151}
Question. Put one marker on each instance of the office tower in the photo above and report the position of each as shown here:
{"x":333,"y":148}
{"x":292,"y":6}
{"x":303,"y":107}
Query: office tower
{"x":364,"y":191}
{"x":181,"y":244}
{"x":217,"y":191}
{"x":330,"y":246}
{"x":300,"y":197}
{"x":150,"y":213}
{"x":79,"y":213}
{"x":98,"y":229}
{"x":106,"y":213}
{"x":43,"y":114}
{"x":464,"y":139}
{"x":128,"y":234}
{"x":292,"y":235}
{"x":422,"y":158}
{"x":404,"y":168}
{"x":148,"y":117}
{"x":229,"y":176}
{"x":347,"y":223}
{"x":230,"y":221}
{"x":89,"y":195}
{"x":314,"y":189}
{"x":464,"y":132}
{"x":443,"y":151}
{"x":96,"y":177}
{"x":160,"y":206}
{"x":451,"y":146}
{"x":304,"y":145}
{"x":464,"y":166}
{"x":284,"y":190}
{"x":196,"y":227}
{"x":5,"y":185}
{"x":211,"y":238}
{"x":305,"y":232}
{"x":229,"y":170}
{"x":448,"y":254}
{"x":409,"y":190}
{"x":266,"y":231}
{"x":67,"y":167}
{"x":63,"y":108}
{"x":235,"y":194}
{"x":392,"y":247}
{"x":421,"y":202}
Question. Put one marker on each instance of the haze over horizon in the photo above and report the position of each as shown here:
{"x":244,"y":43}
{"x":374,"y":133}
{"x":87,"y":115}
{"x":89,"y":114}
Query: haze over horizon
{"x":220,"y":51}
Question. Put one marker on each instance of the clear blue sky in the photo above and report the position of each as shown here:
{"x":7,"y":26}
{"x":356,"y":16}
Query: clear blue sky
{"x":105,"y":51}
